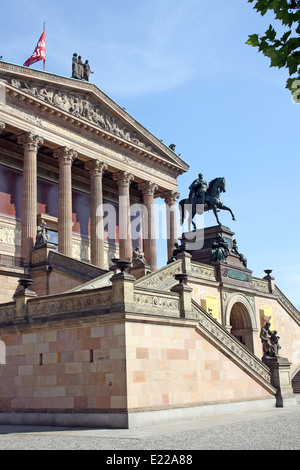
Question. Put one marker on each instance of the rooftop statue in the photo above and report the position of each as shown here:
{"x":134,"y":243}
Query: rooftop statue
{"x":204,"y":197}
{"x":80,"y":70}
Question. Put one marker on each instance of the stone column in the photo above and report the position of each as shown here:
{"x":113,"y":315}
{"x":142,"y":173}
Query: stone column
{"x":149,"y":234}
{"x":96,"y":169}
{"x":125,"y":244}
{"x":30,"y":143}
{"x":65,"y":158}
{"x":170,"y":198}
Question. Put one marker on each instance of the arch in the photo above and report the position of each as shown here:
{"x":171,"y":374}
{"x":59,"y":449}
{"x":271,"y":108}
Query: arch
{"x":240,"y":317}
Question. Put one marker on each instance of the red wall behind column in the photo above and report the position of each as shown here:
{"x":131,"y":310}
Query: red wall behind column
{"x":11,"y":183}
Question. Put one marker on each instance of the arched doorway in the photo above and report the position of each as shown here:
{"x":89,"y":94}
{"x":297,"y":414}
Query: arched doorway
{"x":241,"y":325}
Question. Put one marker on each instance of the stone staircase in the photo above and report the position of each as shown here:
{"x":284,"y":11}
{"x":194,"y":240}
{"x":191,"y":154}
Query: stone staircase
{"x":232,"y":348}
{"x":296,"y":382}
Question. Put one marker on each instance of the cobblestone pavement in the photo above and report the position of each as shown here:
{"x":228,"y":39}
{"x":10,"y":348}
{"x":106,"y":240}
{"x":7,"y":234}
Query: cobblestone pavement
{"x":276,"y":429}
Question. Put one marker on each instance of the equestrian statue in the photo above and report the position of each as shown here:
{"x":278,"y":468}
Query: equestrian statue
{"x":203,"y":198}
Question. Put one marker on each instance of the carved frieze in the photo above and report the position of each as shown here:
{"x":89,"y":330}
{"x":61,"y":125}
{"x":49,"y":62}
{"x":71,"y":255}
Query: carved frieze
{"x":203,"y":272}
{"x":156,"y":301}
{"x":81,"y":107}
{"x":81,"y":302}
{"x":159,"y":278}
{"x":7,"y":313}
{"x":10,"y":235}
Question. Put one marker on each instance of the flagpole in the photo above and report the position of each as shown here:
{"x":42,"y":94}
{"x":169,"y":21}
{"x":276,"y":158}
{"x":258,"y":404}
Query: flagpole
{"x":45,"y":56}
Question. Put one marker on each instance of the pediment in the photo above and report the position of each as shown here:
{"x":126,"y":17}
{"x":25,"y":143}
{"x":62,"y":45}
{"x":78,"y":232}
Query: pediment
{"x":84,"y":101}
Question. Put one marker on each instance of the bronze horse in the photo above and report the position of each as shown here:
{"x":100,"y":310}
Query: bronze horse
{"x":213,"y":202}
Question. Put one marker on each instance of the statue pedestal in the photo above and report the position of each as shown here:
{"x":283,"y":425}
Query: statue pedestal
{"x":199,"y":243}
{"x":280,"y":368}
{"x":231,"y":270}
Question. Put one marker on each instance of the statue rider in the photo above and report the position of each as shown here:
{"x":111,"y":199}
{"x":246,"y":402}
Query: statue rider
{"x":198,"y":192}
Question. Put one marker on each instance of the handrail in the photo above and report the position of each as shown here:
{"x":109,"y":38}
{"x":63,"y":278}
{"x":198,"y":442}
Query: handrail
{"x":288,"y":306}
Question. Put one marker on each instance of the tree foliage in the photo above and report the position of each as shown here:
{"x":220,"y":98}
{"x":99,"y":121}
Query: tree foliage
{"x":282,"y":50}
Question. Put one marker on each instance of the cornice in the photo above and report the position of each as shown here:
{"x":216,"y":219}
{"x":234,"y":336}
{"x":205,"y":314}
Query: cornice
{"x":34,"y":77}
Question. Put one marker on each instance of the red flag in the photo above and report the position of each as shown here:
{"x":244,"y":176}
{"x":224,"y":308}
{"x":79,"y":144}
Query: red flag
{"x":39,"y":52}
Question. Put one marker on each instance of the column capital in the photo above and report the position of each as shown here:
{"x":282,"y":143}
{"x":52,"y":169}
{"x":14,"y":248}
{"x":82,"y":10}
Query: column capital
{"x":30,"y":141}
{"x":96,"y":167}
{"x":65,"y":155}
{"x":170,"y":197}
{"x":123,"y":178}
{"x":148,"y":188}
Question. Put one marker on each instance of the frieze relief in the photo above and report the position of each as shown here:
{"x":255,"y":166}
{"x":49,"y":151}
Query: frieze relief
{"x":10,"y":236}
{"x":159,"y":278}
{"x":7,"y":313}
{"x":156,"y":301}
{"x":70,"y":304}
{"x":79,"y":106}
{"x":204,"y":272}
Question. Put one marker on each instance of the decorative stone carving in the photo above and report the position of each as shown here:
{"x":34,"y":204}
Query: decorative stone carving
{"x":42,"y":237}
{"x":160,"y":278}
{"x":2,"y":127}
{"x":138,"y":259}
{"x":11,"y":236}
{"x":7,"y":313}
{"x":270,"y":341}
{"x":123,"y":178}
{"x":204,"y":272}
{"x":79,"y":106}
{"x":69,"y":303}
{"x":155,"y":301}
{"x":170,"y":197}
{"x":96,"y":167}
{"x":30,"y":141}
{"x":64,"y":155}
{"x":80,"y":71}
{"x":148,"y":188}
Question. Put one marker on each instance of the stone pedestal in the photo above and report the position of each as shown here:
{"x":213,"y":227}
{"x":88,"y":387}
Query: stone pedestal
{"x":122,"y":292}
{"x":40,"y":270}
{"x":233,"y":269}
{"x":185,"y":293}
{"x":281,"y":379}
{"x":22,"y":295}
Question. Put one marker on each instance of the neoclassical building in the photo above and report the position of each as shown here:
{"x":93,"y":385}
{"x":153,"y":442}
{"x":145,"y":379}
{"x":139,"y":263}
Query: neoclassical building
{"x":85,"y":339}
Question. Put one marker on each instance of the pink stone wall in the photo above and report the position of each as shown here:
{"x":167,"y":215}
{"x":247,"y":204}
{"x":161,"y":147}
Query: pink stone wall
{"x":66,"y":379}
{"x":174,"y":366}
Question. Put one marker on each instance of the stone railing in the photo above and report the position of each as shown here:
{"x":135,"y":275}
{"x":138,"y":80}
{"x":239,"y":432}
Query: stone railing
{"x":7,"y":313}
{"x":78,"y":268}
{"x":288,"y":306}
{"x":232,"y":348}
{"x":95,"y":301}
{"x":261,"y":285}
{"x":162,"y":278}
{"x":157,"y":302}
{"x":203,"y":271}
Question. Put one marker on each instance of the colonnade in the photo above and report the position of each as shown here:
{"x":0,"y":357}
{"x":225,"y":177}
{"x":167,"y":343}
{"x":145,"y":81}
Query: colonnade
{"x":31,"y":144}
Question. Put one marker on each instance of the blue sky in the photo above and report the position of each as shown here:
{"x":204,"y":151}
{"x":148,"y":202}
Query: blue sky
{"x":182,"y":69}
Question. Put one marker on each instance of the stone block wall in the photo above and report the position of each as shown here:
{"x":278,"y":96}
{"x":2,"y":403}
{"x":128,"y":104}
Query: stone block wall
{"x":67,"y":368}
{"x":171,"y":365}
